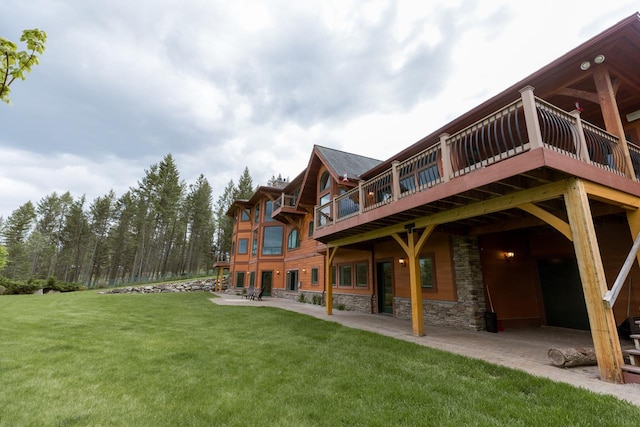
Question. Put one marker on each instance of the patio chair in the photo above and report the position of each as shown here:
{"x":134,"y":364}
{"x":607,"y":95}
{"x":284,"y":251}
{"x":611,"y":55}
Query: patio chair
{"x":249,"y":293}
{"x":257,"y":295}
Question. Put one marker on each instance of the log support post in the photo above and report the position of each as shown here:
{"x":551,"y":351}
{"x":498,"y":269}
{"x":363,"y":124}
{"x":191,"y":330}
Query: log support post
{"x":633,"y":218}
{"x":594,"y":284}
{"x":328,"y":286}
{"x":611,"y":114}
{"x":412,"y":248}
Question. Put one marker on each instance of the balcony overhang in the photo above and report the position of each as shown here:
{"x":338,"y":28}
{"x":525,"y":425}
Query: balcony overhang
{"x":458,"y":203}
{"x":286,"y":213}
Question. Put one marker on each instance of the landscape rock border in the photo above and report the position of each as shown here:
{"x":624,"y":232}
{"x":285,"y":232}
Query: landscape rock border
{"x":206,"y":285}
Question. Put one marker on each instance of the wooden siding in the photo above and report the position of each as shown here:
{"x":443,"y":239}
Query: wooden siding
{"x":510,"y":283}
{"x":514,"y":285}
{"x":439,"y":245}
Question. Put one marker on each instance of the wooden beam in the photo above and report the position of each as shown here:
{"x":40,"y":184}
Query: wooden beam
{"x":611,"y":196}
{"x":417,"y":316}
{"x":218,"y":286}
{"x":594,"y":283}
{"x":412,"y":248}
{"x":610,"y":113}
{"x":331,"y":253}
{"x":497,"y":204}
{"x":633,"y":218}
{"x":582,"y":94}
{"x":549,"y":218}
{"x":294,"y":224}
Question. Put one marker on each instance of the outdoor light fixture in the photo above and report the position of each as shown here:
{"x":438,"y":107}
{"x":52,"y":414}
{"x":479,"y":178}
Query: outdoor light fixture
{"x":633,"y":116}
{"x":402,"y":261}
{"x":509,"y":255}
{"x":278,"y":272}
{"x":304,"y":270}
{"x":585,"y":65}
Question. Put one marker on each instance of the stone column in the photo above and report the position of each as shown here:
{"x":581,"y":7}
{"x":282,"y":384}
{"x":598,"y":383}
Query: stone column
{"x":469,"y":281}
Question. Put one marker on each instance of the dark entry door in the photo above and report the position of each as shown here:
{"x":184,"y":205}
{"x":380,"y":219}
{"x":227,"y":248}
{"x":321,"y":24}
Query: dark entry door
{"x":267,"y":279}
{"x":562,"y":292}
{"x":384,"y":276}
{"x":292,"y":280}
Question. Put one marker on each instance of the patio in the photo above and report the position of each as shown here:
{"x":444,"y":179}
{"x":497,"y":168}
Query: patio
{"x":524,"y":349}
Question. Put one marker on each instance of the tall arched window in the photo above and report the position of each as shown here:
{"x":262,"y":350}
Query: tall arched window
{"x":325,"y":181}
{"x":294,"y":240}
{"x":324,"y":197}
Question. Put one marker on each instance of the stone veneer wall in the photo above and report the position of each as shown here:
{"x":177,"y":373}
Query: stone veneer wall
{"x":468,"y":311}
{"x":349,"y":302}
{"x":352,"y":302}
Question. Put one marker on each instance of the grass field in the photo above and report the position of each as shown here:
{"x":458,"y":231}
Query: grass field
{"x":84,"y":359}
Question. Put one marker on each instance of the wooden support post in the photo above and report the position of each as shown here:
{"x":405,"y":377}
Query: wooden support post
{"x":581,"y":143}
{"x":610,"y":113}
{"x":531,"y":117}
{"x":633,"y":218}
{"x":594,"y":283}
{"x":417,"y":316}
{"x":334,"y":211}
{"x":328,"y":286}
{"x":361,"y":197}
{"x":412,"y":248}
{"x":447,"y":169}
{"x":395,"y":180}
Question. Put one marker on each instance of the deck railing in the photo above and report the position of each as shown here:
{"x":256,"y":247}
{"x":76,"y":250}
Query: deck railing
{"x":559,"y":130}
{"x":524,"y":124}
{"x":634,"y":153}
{"x":421,"y":171}
{"x":494,"y":138}
{"x":287,"y":200}
{"x":604,"y":149}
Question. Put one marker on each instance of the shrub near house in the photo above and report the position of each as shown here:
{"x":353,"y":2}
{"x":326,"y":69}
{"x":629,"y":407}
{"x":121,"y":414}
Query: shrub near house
{"x":16,"y":287}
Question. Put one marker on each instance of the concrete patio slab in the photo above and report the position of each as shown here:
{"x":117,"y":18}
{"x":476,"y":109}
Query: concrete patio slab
{"x":523,"y":349}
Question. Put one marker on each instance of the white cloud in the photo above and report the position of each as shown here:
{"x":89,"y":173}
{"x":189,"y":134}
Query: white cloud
{"x":224,"y":85}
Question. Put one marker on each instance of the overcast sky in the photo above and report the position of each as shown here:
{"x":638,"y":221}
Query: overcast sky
{"x":226,"y":84}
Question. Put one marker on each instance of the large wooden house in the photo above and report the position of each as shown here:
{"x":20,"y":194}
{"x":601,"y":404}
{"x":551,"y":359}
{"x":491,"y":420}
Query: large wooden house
{"x":524,"y":208}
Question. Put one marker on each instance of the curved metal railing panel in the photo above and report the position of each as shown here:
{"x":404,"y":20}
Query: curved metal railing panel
{"x":348,"y":204}
{"x":604,"y":149}
{"x":559,"y":129}
{"x":634,"y":153}
{"x":496,"y":137}
{"x":421,"y":171}
{"x":378,"y":191}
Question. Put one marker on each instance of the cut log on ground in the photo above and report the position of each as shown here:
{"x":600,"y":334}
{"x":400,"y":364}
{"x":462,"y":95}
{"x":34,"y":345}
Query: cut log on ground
{"x":569,"y":357}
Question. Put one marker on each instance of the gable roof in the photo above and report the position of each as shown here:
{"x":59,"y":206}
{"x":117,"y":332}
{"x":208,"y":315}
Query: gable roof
{"x":340,"y":162}
{"x":337,"y":163}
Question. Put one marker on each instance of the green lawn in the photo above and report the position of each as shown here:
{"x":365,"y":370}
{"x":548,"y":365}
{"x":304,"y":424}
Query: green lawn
{"x":84,"y":359}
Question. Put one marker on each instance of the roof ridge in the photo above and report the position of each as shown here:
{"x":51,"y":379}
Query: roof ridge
{"x":345,"y":152}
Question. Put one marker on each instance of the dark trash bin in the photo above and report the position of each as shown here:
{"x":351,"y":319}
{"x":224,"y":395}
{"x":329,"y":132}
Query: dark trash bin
{"x":491,"y":321}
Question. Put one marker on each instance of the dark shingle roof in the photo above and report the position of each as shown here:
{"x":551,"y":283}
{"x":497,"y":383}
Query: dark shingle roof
{"x":353,"y":164}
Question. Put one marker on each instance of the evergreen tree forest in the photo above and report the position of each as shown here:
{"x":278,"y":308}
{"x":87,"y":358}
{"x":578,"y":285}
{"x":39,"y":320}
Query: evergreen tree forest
{"x":160,"y":229}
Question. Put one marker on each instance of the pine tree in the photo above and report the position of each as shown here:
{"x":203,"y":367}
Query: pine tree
{"x":200,"y":227}
{"x":224,"y":225}
{"x":101,"y":215}
{"x":15,"y":233}
{"x":245,"y":186}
